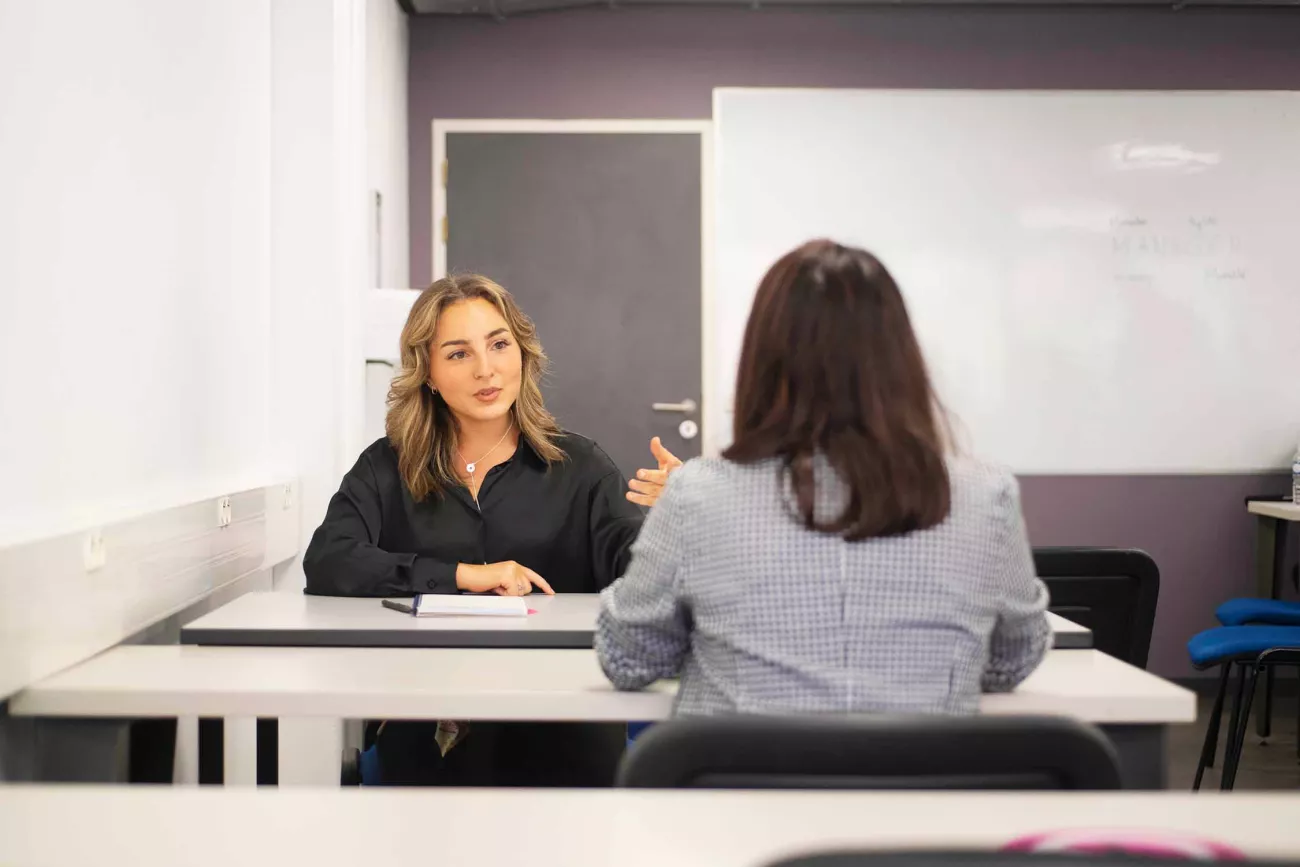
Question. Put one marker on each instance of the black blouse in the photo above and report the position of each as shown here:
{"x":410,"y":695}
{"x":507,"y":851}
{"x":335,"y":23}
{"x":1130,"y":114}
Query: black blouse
{"x":569,"y":522}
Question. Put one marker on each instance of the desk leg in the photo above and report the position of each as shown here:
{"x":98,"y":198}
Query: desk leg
{"x":1266,"y":532}
{"x":239,"y":749}
{"x":311,"y":751}
{"x":1264,"y":720}
{"x":185,"y":764}
{"x":1142,"y":759}
{"x":354,"y":734}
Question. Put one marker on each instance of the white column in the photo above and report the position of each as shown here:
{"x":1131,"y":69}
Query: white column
{"x":240,"y":751}
{"x":311,"y":751}
{"x":185,"y":764}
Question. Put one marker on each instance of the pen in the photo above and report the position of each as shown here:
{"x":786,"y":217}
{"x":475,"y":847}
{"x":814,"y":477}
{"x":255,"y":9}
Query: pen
{"x":398,"y":606}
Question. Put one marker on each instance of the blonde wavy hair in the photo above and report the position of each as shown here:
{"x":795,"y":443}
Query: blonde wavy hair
{"x":420,"y":425}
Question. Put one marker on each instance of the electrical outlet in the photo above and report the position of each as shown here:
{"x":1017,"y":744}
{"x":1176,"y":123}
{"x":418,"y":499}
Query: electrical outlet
{"x":93,"y":553}
{"x":288,"y":496}
{"x":223,"y":512}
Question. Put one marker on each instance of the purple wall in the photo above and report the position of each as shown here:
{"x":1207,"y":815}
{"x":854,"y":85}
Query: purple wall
{"x":1196,"y":528}
{"x":665,"y":62}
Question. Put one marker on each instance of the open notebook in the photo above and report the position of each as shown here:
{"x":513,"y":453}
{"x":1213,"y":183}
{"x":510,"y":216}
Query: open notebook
{"x":442,"y":605}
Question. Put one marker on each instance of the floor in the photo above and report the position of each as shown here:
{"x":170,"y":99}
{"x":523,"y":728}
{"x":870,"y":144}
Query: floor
{"x":1270,"y":764}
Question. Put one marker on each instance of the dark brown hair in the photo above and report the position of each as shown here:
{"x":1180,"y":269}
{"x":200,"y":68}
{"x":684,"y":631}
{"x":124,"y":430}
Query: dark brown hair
{"x":830,"y":365}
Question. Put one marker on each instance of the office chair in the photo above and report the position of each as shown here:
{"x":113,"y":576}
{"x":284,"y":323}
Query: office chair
{"x":871,"y":752}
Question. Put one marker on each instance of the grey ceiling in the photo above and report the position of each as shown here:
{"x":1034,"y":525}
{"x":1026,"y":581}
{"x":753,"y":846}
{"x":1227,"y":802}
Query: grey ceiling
{"x":506,"y":8}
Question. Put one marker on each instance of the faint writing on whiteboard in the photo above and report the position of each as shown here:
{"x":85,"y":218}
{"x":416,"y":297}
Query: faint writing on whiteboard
{"x":1227,"y":275}
{"x":1129,"y":156}
{"x":1143,"y":249}
{"x":1173,"y":245}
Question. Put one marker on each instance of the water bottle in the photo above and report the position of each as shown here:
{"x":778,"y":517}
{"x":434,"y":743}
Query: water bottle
{"x":1295,"y":477}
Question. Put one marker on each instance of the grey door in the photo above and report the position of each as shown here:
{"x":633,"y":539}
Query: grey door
{"x":598,"y":237}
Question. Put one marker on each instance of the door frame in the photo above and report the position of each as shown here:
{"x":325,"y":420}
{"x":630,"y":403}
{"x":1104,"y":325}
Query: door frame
{"x":702,"y":128}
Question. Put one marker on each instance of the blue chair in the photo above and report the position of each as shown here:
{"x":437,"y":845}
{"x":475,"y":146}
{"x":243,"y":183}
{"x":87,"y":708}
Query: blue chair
{"x":1249,"y":610}
{"x":634,"y":730}
{"x":1250,"y":649}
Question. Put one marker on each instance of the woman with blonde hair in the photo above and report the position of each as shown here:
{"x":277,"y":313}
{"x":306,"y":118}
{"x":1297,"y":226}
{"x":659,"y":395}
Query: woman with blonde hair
{"x":475,"y":488}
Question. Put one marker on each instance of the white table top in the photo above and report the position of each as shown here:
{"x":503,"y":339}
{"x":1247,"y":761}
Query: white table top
{"x":291,"y":619}
{"x":492,"y":684}
{"x":1281,"y":510}
{"x":1067,"y":633}
{"x":146,"y":826}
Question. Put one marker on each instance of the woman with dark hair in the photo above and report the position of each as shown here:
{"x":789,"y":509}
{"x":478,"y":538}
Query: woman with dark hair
{"x":838,"y":556}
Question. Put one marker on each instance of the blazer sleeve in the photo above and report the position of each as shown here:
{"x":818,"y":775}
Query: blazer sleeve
{"x":643,"y":632}
{"x":1022,"y":635}
{"x":615,"y":522}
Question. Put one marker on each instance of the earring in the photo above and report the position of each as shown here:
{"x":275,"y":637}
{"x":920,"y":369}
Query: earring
{"x":432,"y":389}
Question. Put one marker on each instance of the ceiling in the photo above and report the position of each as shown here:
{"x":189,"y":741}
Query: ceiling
{"x":507,"y":8}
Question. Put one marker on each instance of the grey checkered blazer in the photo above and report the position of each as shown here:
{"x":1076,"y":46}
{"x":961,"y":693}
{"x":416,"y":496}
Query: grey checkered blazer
{"x":758,"y":615}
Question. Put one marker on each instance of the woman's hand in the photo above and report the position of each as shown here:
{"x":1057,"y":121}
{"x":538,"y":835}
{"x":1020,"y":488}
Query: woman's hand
{"x":645,"y":489}
{"x":507,"y":578}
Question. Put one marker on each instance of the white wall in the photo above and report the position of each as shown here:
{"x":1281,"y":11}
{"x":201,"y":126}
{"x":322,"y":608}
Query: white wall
{"x":340,"y":98}
{"x":134,"y":258}
{"x":182,"y":245}
{"x":313,"y":290}
{"x":389,"y":299}
{"x":184,"y":239}
{"x":386,"y":144}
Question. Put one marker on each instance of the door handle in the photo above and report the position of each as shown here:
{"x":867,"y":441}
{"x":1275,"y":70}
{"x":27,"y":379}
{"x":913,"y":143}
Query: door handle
{"x":687,"y":406}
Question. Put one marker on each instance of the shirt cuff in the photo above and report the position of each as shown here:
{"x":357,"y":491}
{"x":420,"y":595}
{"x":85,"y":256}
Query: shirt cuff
{"x":432,"y":576}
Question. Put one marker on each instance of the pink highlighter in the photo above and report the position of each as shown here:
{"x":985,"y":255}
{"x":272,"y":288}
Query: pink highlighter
{"x":1132,"y":841}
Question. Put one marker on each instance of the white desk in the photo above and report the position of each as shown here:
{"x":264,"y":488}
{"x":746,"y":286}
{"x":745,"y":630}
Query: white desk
{"x":1273,"y":516}
{"x":505,"y":685}
{"x":1068,"y":635}
{"x":148,"y":827}
{"x":1281,"y":511}
{"x":312,"y":690}
{"x":294,"y":620}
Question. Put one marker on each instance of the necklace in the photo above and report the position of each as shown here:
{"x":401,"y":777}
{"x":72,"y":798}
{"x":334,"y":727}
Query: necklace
{"x":470,"y":465}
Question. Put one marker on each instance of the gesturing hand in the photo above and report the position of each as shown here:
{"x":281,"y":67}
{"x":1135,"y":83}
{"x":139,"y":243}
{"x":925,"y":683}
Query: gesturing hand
{"x":645,"y":489}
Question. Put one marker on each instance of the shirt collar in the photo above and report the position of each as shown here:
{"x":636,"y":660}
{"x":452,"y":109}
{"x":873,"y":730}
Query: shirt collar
{"x":526,"y":452}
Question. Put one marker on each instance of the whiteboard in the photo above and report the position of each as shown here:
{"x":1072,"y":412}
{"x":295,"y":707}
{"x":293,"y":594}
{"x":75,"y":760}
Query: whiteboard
{"x":1101,"y":281}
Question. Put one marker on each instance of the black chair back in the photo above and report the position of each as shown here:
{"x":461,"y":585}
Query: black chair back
{"x":1112,"y":591}
{"x":871,"y":752}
